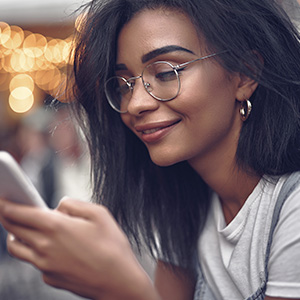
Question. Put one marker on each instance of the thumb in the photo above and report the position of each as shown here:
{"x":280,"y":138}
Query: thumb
{"x":81,"y":209}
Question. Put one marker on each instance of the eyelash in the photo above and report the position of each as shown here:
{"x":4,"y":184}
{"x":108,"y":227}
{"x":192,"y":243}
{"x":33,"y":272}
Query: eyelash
{"x":179,"y":71}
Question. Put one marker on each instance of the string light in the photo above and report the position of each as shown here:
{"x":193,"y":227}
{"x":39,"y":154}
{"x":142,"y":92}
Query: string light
{"x":5,"y":32}
{"x":29,"y":60}
{"x":34,"y":45}
{"x":21,"y":105}
{"x":21,"y":80}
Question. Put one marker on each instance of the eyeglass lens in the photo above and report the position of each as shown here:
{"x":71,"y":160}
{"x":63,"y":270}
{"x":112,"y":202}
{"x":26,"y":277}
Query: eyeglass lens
{"x":159,"y":79}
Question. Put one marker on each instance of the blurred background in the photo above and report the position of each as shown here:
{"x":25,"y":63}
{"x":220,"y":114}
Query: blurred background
{"x":35,"y":45}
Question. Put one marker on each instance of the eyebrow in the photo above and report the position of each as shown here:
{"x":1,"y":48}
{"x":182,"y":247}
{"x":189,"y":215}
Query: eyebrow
{"x":163,"y":50}
{"x":152,"y":54}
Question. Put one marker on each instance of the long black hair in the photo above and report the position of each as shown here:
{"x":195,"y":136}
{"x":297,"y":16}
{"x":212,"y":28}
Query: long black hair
{"x":168,"y":205}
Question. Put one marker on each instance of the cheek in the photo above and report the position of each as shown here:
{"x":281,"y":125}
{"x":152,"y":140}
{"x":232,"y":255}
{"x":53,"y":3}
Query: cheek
{"x":209,"y":90}
{"x":126,"y":120}
{"x":209,"y":110}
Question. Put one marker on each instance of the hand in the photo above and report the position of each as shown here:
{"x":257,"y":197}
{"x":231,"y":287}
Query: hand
{"x":78,"y":247}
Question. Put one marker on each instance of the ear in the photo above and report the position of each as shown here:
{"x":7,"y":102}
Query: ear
{"x":246,"y":87}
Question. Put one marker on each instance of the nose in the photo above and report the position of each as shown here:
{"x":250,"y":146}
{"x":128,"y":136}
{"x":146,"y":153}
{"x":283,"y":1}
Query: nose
{"x":141,"y":101}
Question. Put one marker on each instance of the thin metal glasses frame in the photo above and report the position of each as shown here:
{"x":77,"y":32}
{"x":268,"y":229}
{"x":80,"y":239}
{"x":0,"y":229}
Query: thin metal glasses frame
{"x":147,"y":85}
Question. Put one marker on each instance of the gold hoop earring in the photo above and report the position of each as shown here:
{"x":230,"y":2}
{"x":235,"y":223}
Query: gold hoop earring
{"x":245,"y":109}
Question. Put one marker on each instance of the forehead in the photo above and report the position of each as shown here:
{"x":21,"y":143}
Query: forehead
{"x":153,"y":29}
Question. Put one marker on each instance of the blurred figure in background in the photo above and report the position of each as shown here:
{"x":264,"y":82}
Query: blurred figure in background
{"x":51,"y":152}
{"x":72,"y":161}
{"x":37,"y":157}
{"x":53,"y":155}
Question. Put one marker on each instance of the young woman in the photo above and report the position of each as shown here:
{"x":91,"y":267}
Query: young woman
{"x":191,"y":109}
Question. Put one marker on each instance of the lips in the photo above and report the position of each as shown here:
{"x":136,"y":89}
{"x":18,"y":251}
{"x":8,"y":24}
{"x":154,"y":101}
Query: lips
{"x":153,"y":127}
{"x":152,"y":132}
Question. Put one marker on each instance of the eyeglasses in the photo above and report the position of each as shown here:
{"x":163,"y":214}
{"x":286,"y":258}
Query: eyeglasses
{"x":160,"y":79}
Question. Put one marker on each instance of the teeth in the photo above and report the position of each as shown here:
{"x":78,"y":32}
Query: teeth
{"x":151,"y":130}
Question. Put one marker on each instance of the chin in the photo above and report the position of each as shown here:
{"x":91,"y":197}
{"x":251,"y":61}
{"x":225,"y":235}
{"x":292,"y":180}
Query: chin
{"x":165,"y":160}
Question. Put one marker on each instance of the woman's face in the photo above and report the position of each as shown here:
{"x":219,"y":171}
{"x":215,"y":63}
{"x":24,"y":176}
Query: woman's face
{"x":202,"y":123}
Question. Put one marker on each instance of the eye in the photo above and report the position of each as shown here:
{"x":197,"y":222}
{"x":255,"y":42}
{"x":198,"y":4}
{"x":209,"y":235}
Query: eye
{"x":179,"y":71}
{"x":166,"y":76}
{"x":123,"y":88}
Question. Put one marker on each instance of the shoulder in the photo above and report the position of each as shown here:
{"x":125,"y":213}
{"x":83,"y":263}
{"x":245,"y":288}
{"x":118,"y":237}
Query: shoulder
{"x":289,"y":215}
{"x":285,"y":201}
{"x":284,"y":263}
{"x":288,"y":196}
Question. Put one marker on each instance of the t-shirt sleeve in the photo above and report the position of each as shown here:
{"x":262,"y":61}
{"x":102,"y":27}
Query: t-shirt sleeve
{"x":284,"y":262}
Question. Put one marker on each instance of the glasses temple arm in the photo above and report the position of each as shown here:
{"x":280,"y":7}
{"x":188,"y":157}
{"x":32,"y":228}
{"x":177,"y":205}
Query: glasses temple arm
{"x":200,"y":58}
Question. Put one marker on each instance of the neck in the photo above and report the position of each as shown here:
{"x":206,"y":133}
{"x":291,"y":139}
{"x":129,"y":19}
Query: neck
{"x":233,"y":191}
{"x":232,"y":184}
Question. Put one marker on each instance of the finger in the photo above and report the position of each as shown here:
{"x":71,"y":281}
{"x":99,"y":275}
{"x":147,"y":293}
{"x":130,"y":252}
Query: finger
{"x":77,"y":208}
{"x":24,"y":215}
{"x":20,"y":213}
{"x":4,"y":204}
{"x":19,"y":250}
{"x":24,"y":234}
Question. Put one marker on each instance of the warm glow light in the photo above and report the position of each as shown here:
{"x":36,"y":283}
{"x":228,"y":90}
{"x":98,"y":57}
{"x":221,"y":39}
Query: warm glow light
{"x":21,"y":92}
{"x":6,"y":64}
{"x":42,"y":64}
{"x":54,"y":83}
{"x":60,"y":91}
{"x":21,"y":105}
{"x":52,"y":53}
{"x":29,"y":60}
{"x":4,"y":79}
{"x":4,"y":32}
{"x":43,"y":78}
{"x":16,"y":38}
{"x":20,"y":62}
{"x":67,"y":51}
{"x":34,"y":45}
{"x":21,"y":80}
{"x":4,"y":52}
{"x":59,"y":51}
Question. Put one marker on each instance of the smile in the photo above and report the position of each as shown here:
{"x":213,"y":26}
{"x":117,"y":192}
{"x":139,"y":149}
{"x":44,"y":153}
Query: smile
{"x":154,"y":132}
{"x":149,"y":131}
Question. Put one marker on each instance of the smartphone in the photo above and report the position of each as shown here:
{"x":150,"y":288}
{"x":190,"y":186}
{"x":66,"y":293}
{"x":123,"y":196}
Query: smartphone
{"x":15,"y":184}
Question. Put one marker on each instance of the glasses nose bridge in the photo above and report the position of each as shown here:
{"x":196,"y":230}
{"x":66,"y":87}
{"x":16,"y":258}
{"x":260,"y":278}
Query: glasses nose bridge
{"x":129,"y":80}
{"x":137,"y":101}
{"x":145,"y":84}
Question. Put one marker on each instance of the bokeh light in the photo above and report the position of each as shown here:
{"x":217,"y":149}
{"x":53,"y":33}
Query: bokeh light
{"x":5,"y":32}
{"x":4,"y":80}
{"x":15,"y":39}
{"x":29,"y":60}
{"x":21,"y":80}
{"x":21,"y":100}
{"x":34,"y":45}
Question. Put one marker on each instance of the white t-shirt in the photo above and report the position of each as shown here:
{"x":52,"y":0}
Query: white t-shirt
{"x":232,"y":256}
